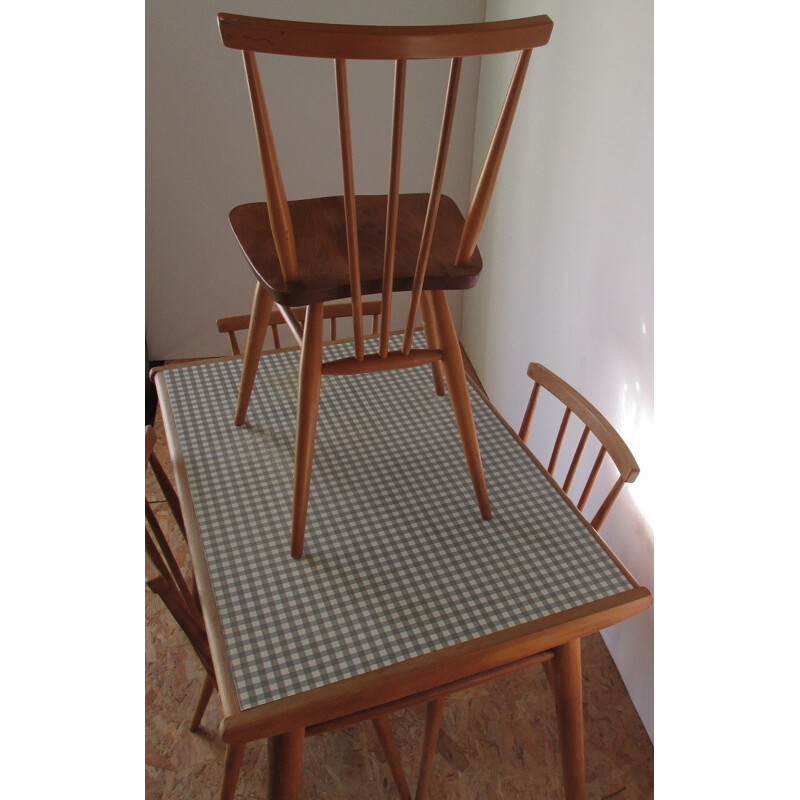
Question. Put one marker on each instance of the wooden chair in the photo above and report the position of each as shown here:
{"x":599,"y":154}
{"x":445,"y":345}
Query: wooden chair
{"x":594,"y":424}
{"x":165,"y":578}
{"x":611,"y":444}
{"x":413,"y":243}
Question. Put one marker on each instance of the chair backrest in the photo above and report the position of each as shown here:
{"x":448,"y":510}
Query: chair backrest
{"x":399,"y":44}
{"x":331,"y":312}
{"x":595,"y":424}
{"x":163,"y":574}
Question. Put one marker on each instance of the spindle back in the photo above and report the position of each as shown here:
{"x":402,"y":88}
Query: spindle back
{"x":596,"y":424}
{"x":295,"y":284}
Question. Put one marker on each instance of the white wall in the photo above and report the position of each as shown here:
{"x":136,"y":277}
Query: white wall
{"x":202,"y":158}
{"x":568,"y":254}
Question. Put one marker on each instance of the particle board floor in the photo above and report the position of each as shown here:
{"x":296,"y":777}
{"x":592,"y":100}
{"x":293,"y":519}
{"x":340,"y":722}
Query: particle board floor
{"x":498,"y":740}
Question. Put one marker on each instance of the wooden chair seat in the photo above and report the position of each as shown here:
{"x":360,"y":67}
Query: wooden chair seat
{"x":320,"y":232}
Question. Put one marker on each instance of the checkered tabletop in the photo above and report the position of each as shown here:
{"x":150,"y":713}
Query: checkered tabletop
{"x":397,"y":561}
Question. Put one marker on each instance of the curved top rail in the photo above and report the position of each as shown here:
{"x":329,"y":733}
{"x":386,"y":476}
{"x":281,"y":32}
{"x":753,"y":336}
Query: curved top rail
{"x":591,"y":417}
{"x":378,"y":42}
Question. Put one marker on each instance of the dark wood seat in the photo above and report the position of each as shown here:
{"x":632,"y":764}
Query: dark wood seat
{"x":307,"y":252}
{"x":320,"y":231}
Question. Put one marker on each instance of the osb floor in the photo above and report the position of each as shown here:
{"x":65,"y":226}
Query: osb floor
{"x":498,"y":740}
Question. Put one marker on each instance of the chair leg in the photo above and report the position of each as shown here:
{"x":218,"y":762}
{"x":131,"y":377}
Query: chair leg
{"x":234,"y":753}
{"x":384,"y":731}
{"x":307,"y":404}
{"x":459,"y":397}
{"x":565,"y":677}
{"x":259,"y":321}
{"x":433,"y":723}
{"x":202,"y":701}
{"x":285,"y":765}
{"x":429,"y":324}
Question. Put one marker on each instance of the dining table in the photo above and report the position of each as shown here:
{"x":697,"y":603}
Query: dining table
{"x":403,"y":592}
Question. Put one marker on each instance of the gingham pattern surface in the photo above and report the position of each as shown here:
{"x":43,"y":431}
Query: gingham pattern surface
{"x":397,"y":562}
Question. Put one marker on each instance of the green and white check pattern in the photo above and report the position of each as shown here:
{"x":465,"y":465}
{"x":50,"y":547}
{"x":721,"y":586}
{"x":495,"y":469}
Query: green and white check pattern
{"x":397,"y":562}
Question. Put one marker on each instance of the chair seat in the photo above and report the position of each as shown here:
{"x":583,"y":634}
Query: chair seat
{"x":321,"y":242}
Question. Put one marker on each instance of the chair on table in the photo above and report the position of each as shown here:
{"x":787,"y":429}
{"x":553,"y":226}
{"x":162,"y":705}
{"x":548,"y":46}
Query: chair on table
{"x":306,"y":252}
{"x":165,"y":578}
{"x":610,"y":443}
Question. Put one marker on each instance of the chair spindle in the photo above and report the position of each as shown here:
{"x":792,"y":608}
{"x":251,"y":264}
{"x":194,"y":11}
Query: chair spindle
{"x":433,"y":200}
{"x":592,"y":477}
{"x":279,"y":218}
{"x":483,"y":191}
{"x":525,"y":427}
{"x":170,"y":495}
{"x":350,"y":206}
{"x":576,"y":459}
{"x":605,"y":507}
{"x":162,"y":556}
{"x":392,"y":204}
{"x":559,"y":440}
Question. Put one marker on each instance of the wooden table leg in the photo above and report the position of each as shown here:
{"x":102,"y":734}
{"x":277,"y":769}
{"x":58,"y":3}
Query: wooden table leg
{"x":285,"y":765}
{"x":433,"y":723}
{"x":234,"y":753}
{"x":565,"y":677}
{"x":384,"y":731}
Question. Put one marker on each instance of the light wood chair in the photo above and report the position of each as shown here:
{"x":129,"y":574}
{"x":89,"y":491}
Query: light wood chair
{"x":165,"y":578}
{"x":610,"y":443}
{"x":594,"y":425}
{"x":307,"y":252}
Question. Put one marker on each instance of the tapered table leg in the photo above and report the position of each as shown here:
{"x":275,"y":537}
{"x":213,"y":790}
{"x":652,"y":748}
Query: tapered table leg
{"x":384,"y":731}
{"x":259,"y":321}
{"x":234,"y":754}
{"x":564,"y":673}
{"x":285,"y":765}
{"x":459,"y":396}
{"x":433,"y":724}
